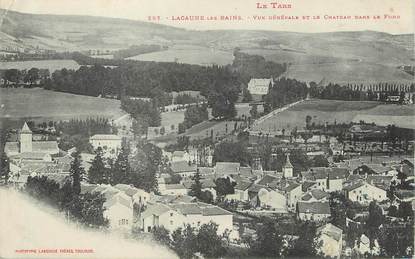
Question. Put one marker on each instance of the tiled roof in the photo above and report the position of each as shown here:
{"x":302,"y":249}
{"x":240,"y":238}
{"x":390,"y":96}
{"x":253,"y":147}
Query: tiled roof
{"x":86,"y":188}
{"x":25,"y":129}
{"x":242,"y":185}
{"x":245,"y":171}
{"x":178,"y":153}
{"x":31,"y":155}
{"x":44,"y":146}
{"x":354,"y":185}
{"x":306,"y":185}
{"x":11,"y":147}
{"x":267,"y":179}
{"x":254,"y":188}
{"x":105,"y":137}
{"x":288,"y":162}
{"x":314,"y":207}
{"x":318,"y":173}
{"x":174,"y":186}
{"x":331,"y":231}
{"x":187,"y":208}
{"x":227,"y":168}
{"x":214,"y":211}
{"x":259,"y":81}
{"x":206,"y":170}
{"x":119,"y":198}
{"x":316,"y":193}
{"x":206,"y":183}
{"x":127,"y":189}
{"x":155,"y":209}
{"x":291,"y":186}
{"x":183,"y":166}
{"x":379,"y":179}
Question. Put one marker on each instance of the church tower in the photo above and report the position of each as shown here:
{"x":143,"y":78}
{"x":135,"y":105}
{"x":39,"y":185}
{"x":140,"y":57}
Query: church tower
{"x":287,"y":169}
{"x":25,"y":139}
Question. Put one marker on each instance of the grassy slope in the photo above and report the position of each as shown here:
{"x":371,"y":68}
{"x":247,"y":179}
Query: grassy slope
{"x":329,"y":111}
{"x":19,"y":102}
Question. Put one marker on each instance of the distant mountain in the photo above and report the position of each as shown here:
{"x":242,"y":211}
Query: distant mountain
{"x":351,"y":51}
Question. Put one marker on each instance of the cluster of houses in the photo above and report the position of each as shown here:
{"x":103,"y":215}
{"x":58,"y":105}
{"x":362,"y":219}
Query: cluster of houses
{"x":305,"y":194}
{"x":128,"y":208}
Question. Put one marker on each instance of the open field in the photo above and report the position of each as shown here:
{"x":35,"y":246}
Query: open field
{"x":52,"y":65}
{"x":190,"y":55}
{"x":38,"y":103}
{"x":315,"y":66}
{"x":172,"y":118}
{"x":330,"y":111}
{"x":351,"y":72}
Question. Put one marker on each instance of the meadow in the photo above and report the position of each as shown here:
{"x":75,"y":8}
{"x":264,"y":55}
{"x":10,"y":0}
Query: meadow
{"x":188,"y":54}
{"x":41,"y":104}
{"x":331,"y":111}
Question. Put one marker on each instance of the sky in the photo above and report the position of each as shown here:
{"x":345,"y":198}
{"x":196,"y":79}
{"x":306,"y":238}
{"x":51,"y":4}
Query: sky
{"x":247,"y":9}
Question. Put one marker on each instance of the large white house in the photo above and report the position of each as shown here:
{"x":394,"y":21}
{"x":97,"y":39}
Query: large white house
{"x":331,"y":240}
{"x":364,"y":192}
{"x":119,"y":211}
{"x":314,"y":211}
{"x":109,"y":143}
{"x":173,"y":216}
{"x":118,"y":205}
{"x":260,"y":86}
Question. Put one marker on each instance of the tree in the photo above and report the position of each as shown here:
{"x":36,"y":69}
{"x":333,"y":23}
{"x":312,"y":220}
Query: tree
{"x":308,"y":119}
{"x":247,"y":97}
{"x":254,"y":111}
{"x":210,"y":244}
{"x":195,"y":114}
{"x":144,"y":166}
{"x":4,"y":167}
{"x":184,"y":242}
{"x":88,"y":209}
{"x":153,"y":154}
{"x":306,"y":136}
{"x":269,"y":241}
{"x":77,"y":172}
{"x":196,"y":188}
{"x":12,"y":75}
{"x":161,"y":235}
{"x":374,"y":220}
{"x":206,"y":197}
{"x":120,"y":170}
{"x":405,"y":210}
{"x":231,"y":152}
{"x":307,"y":243}
{"x":32,"y":75}
{"x":320,"y":161}
{"x":97,"y":172}
{"x":224,"y":186}
{"x":396,"y":241}
{"x":42,"y":188}
{"x":340,"y":208}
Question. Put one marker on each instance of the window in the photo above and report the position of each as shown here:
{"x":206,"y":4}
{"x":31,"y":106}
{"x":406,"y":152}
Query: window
{"x":171,"y":214}
{"x":171,"y":222}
